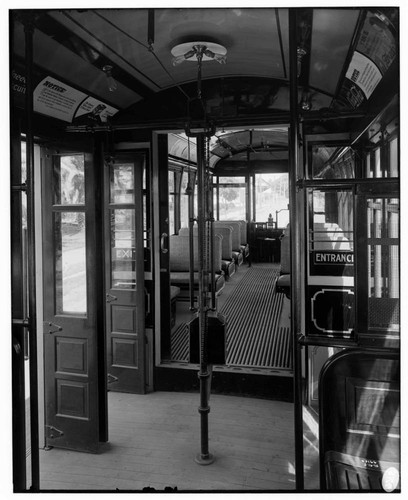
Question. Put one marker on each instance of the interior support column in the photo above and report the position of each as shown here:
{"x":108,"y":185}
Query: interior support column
{"x":294,"y":249}
{"x":204,"y":375}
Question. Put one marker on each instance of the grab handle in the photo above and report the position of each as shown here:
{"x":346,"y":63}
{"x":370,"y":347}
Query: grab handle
{"x":162,"y":243}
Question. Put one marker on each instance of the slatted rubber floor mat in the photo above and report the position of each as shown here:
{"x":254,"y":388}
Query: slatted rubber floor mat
{"x":254,"y":337}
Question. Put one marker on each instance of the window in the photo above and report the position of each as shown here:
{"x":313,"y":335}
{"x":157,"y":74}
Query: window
{"x":382,"y":237}
{"x":69,"y":235}
{"x":331,"y":263}
{"x":382,"y":160}
{"x":172,"y":195}
{"x":187,"y":183}
{"x":272,"y":198}
{"x":331,"y":162}
{"x":231,"y":198}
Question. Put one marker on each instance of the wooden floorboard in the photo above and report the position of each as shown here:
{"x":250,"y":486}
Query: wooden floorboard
{"x":153,"y":440}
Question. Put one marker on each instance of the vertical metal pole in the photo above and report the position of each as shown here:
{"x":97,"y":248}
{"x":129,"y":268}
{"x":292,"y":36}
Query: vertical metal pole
{"x":204,"y":457}
{"x":294,"y":251}
{"x":35,"y":469}
{"x":210,"y":218}
{"x":191,"y":239}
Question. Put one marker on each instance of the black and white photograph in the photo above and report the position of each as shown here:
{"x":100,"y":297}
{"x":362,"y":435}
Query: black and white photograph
{"x":203,"y":255}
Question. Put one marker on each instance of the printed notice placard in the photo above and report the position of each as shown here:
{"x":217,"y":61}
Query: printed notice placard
{"x":56,"y":99}
{"x":364,"y":73}
{"x":53,"y":98}
{"x":94,"y":107}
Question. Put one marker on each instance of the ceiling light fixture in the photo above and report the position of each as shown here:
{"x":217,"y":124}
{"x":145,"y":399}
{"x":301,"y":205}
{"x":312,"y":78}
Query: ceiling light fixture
{"x":199,"y":51}
{"x":112,"y":85}
{"x":203,"y":51}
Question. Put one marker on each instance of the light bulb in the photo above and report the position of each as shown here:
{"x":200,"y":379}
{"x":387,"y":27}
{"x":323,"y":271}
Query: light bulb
{"x":306,"y":102}
{"x":112,"y":85}
{"x":300,"y":54}
{"x":179,"y":59}
{"x":221,"y":58}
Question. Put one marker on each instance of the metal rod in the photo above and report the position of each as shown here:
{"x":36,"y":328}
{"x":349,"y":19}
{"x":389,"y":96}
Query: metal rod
{"x":32,"y":301}
{"x":344,"y":183}
{"x":191,"y":247}
{"x":294,"y":251}
{"x":204,"y":457}
{"x":210,"y":219}
{"x":150,"y":27}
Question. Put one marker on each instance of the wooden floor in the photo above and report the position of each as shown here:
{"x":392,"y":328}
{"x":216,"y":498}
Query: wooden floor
{"x":154,"y":439}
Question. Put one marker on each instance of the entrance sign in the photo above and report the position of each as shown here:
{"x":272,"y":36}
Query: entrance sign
{"x":333,"y":258}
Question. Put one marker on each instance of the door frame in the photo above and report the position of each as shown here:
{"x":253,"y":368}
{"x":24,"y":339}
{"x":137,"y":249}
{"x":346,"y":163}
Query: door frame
{"x":160,"y":259}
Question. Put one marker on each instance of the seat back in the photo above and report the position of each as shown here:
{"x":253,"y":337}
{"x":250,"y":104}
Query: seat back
{"x":243,"y":230}
{"x":235,"y":234}
{"x":359,"y":419}
{"x":180,"y":253}
{"x":226,"y":242}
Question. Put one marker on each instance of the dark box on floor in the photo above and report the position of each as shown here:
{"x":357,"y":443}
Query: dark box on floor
{"x":215,"y":343}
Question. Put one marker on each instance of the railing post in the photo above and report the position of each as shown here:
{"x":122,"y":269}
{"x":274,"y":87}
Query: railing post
{"x":294,"y":251}
{"x":204,"y":375}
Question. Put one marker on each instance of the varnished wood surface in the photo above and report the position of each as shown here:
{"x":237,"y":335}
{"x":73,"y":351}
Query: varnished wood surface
{"x":154,"y":438}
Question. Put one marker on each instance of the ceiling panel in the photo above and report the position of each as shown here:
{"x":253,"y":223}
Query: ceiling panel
{"x":54,"y":59}
{"x":250,"y":36}
{"x":332,"y":34}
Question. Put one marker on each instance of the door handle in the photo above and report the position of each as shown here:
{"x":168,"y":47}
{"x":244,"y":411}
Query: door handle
{"x":162,"y":243}
{"x":110,"y":298}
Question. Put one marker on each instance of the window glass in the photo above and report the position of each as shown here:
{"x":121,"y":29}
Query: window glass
{"x":232,"y":203}
{"x":383,"y":263}
{"x":70,"y":262}
{"x":387,"y":165}
{"x":171,"y":214}
{"x":330,"y":290}
{"x":272,"y":198}
{"x":393,"y":158}
{"x":122,"y":183}
{"x":123,"y":262}
{"x":171,"y":181}
{"x":231,"y":180}
{"x":332,"y":227}
{"x":184,"y":199}
{"x":70,"y":182}
{"x":332,"y":162}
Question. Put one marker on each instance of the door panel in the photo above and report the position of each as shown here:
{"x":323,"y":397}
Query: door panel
{"x":70,"y":333}
{"x":124,"y":273}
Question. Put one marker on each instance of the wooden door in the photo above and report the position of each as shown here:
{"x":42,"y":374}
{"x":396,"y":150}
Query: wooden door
{"x":70,"y":291}
{"x":124,"y":273}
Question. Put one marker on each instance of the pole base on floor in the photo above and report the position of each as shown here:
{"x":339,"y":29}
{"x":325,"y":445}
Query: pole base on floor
{"x":200,"y":459}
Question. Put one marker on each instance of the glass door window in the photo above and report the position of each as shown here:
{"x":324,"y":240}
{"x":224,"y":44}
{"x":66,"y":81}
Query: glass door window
{"x":69,"y":236}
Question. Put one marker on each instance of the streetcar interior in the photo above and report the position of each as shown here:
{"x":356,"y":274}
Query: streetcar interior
{"x":211,"y":191}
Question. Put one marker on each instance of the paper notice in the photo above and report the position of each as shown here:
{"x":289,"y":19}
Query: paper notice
{"x":56,"y":99}
{"x":53,"y":98}
{"x":94,"y":107}
{"x":364,"y":73}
